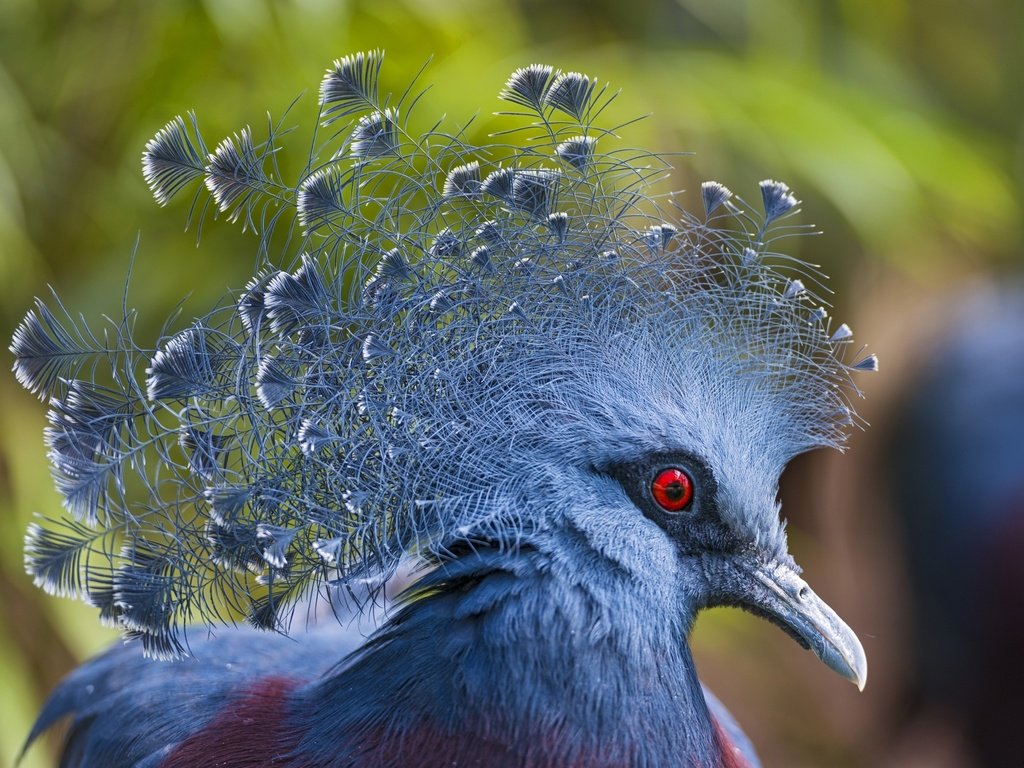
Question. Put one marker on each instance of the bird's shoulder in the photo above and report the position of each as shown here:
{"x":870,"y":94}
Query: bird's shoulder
{"x":124,"y":710}
{"x":737,"y":749}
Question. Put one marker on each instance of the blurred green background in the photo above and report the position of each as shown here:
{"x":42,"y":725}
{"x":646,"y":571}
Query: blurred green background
{"x":898,"y":122}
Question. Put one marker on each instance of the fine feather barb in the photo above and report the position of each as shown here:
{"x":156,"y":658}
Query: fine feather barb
{"x":572,"y":93}
{"x":528,"y":87}
{"x":236,"y":178}
{"x":173,"y":158}
{"x":387,"y":383}
{"x":47,"y":351}
{"x":350,"y":86}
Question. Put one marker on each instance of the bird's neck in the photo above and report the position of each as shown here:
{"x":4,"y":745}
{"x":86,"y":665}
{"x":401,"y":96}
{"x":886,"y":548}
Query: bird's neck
{"x":522,"y":661}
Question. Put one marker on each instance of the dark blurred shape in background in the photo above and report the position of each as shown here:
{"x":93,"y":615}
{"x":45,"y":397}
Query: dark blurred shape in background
{"x":955,"y":467}
{"x":898,"y":123}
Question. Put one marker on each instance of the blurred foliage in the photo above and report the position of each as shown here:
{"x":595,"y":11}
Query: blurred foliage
{"x":897,"y":121}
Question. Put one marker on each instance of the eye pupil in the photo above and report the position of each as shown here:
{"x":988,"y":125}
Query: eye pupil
{"x":675,"y":491}
{"x":672,"y":489}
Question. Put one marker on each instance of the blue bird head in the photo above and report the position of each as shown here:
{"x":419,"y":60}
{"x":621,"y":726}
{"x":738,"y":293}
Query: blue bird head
{"x":510,"y":346}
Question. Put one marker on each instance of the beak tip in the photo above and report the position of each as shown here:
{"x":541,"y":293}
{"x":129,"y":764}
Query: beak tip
{"x":852,"y":662}
{"x":861,"y":672}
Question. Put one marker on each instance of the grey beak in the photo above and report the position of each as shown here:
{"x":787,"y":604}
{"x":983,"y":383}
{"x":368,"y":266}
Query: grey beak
{"x":783,"y":597}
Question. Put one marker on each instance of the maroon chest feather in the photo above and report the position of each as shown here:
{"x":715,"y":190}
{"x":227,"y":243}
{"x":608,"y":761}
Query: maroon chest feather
{"x":732,"y":755}
{"x":254,"y":731}
{"x":251,"y":732}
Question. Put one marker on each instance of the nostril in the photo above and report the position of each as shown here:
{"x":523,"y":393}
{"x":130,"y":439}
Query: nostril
{"x":803,"y":594}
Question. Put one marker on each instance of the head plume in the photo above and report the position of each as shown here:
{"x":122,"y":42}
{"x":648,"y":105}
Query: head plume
{"x":451,"y":314}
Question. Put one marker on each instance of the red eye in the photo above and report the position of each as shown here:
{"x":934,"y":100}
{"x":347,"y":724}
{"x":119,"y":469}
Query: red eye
{"x":672,"y":489}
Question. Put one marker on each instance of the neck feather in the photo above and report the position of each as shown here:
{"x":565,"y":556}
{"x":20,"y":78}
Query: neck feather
{"x":522,"y":660}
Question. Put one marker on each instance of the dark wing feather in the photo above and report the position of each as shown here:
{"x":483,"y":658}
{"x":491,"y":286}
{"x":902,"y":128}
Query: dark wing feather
{"x":128,"y":711}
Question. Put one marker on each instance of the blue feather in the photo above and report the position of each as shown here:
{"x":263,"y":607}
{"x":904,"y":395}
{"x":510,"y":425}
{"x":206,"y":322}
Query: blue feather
{"x":350,"y":85}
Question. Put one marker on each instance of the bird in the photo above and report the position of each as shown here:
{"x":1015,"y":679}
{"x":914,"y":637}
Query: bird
{"x":546,"y":394}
